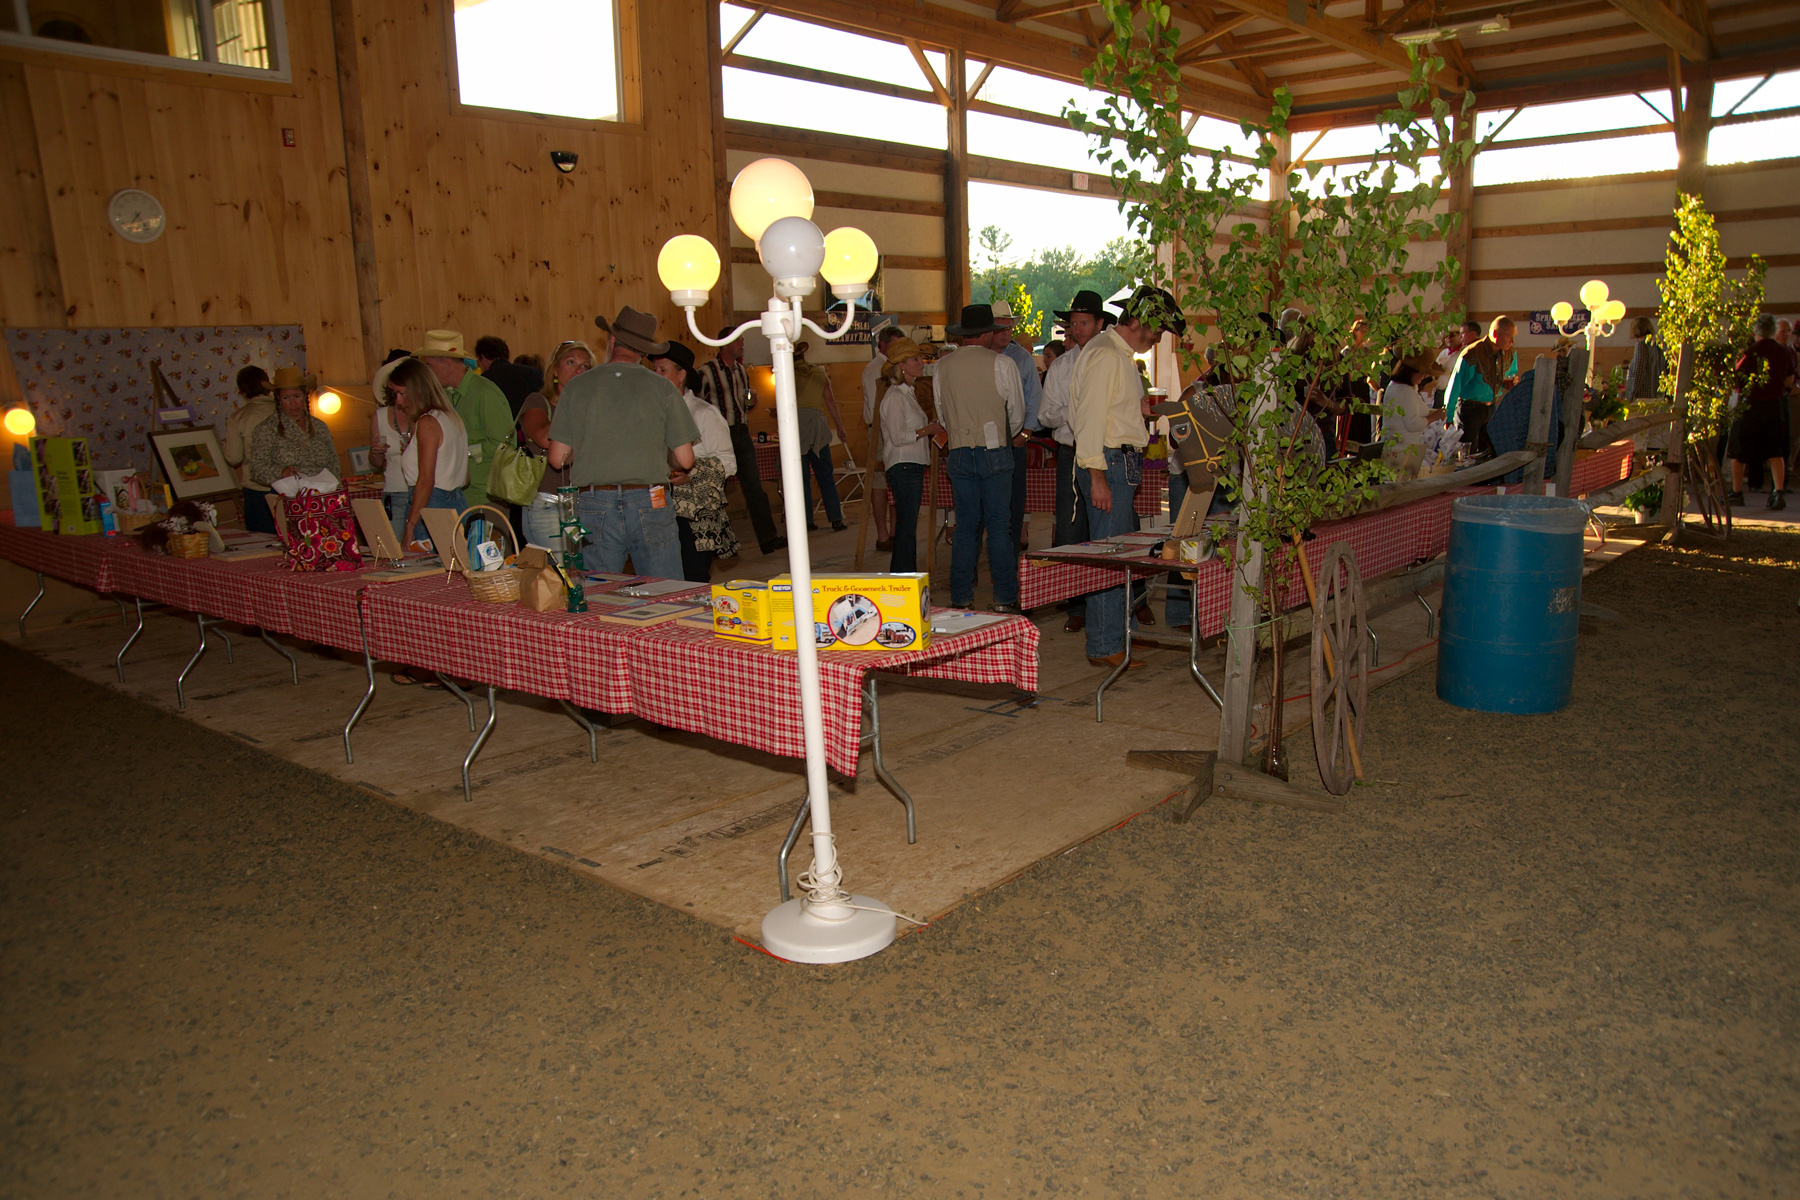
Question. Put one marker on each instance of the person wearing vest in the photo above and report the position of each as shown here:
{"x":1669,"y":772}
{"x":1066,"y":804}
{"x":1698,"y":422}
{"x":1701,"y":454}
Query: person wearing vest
{"x":981,"y":404}
{"x":1107,"y":413}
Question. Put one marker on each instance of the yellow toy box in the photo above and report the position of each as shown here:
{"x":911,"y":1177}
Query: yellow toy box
{"x":860,"y":612}
{"x":744,"y":610}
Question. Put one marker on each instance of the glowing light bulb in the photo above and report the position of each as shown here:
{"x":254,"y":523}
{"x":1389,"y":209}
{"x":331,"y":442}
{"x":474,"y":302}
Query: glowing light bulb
{"x":329,"y":402}
{"x":1561,"y":311}
{"x":20,"y":422}
{"x":1613,"y":311}
{"x":688,"y":266}
{"x":766,"y":191}
{"x":850,"y":260}
{"x":1594,"y":293}
{"x":792,"y":251}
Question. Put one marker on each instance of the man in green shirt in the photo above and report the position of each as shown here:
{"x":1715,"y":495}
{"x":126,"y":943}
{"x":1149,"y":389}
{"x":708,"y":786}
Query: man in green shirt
{"x":620,"y":428}
{"x":486,"y":415}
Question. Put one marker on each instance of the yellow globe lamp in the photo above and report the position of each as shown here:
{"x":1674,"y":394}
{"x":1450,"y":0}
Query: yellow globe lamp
{"x":850,"y":259}
{"x":1561,"y":312}
{"x":689,"y":267}
{"x":1594,"y":293}
{"x":330,"y":402}
{"x":1613,"y":311}
{"x":20,"y":422}
{"x":766,"y":191}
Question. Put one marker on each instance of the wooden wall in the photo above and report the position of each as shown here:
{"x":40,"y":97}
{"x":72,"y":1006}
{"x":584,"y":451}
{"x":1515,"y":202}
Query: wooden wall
{"x":473,"y":228}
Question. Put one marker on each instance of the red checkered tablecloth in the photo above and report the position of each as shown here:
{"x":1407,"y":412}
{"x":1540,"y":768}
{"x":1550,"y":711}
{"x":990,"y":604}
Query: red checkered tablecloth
{"x":688,"y":679}
{"x":83,"y":560}
{"x":198,"y":585}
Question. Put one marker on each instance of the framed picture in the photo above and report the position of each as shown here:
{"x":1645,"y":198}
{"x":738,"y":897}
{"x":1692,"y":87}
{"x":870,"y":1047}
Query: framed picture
{"x":193,"y":462}
{"x":359,"y":460}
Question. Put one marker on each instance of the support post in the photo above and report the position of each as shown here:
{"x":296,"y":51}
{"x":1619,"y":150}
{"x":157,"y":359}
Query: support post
{"x":1670,"y":516}
{"x":1693,"y":126}
{"x":956,"y":186}
{"x":1458,"y":241}
{"x":1240,"y":654}
{"x":721,"y":168}
{"x":1543,"y":395}
{"x":356,"y":179}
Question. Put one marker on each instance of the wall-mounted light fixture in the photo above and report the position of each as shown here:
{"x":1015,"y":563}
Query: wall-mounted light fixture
{"x":564,"y":160}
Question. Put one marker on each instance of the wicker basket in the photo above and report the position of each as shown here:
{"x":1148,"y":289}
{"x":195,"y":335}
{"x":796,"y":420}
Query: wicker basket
{"x":188,"y":545}
{"x":492,"y":587}
{"x":131,"y":522}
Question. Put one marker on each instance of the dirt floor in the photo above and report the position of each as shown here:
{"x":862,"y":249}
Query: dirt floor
{"x":1538,"y":957}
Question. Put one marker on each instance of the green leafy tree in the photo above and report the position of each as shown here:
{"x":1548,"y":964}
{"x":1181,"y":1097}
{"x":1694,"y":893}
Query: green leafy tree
{"x":1334,"y":246}
{"x":1708,"y":312}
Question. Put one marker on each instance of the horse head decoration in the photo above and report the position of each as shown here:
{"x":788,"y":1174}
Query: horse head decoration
{"x":1200,"y":426}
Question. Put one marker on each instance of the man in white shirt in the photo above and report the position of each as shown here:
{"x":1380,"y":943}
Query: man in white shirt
{"x":1106,"y":411}
{"x":874,"y":477}
{"x":981,"y":405}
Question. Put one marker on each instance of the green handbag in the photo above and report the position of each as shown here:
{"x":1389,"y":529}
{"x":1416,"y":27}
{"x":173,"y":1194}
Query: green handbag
{"x":515,"y":476}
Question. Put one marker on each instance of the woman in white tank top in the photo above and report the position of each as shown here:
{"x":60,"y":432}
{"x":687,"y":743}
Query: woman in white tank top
{"x":434,"y":461}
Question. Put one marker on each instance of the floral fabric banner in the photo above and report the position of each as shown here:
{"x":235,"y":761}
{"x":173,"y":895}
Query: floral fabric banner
{"x":97,"y":383}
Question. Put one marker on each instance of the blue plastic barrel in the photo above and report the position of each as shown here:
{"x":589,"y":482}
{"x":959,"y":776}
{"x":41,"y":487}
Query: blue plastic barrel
{"x":1512,"y":603}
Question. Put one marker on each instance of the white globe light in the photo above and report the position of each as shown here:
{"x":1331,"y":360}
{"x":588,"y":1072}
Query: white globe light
{"x":766,"y":191}
{"x":850,"y":256}
{"x":1613,"y":311}
{"x":20,"y":423}
{"x":688,"y":266}
{"x":1561,"y":311}
{"x":1594,"y":293}
{"x":329,"y":403}
{"x":792,"y":250}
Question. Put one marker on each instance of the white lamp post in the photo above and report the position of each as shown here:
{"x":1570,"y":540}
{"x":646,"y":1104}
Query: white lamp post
{"x":1604,"y":316}
{"x":771,"y":201}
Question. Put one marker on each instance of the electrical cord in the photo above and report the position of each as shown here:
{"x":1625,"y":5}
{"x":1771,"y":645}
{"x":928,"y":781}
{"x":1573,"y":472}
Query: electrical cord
{"x":827,"y":888}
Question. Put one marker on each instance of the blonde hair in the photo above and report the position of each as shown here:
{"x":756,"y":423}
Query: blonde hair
{"x":423,"y":391}
{"x":552,"y":384}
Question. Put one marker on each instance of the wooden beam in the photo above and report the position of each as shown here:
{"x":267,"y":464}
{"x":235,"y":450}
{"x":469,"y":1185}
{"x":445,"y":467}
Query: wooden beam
{"x":1011,"y":14}
{"x":898,"y":262}
{"x":1253,"y":74}
{"x":986,"y":70}
{"x":925,"y":68}
{"x":956,"y":184}
{"x":1191,"y":47}
{"x":1345,"y":35}
{"x":1406,"y":12}
{"x":831,"y":147}
{"x":356,"y":179}
{"x":855,"y":83}
{"x":1047,"y":179}
{"x":1603,"y":270}
{"x":1669,"y":27}
{"x":886,"y":204}
{"x":1461,"y":199}
{"x":743,"y":32}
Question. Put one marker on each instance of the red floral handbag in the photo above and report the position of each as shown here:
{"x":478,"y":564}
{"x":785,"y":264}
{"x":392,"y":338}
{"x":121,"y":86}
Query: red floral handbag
{"x":321,"y":532}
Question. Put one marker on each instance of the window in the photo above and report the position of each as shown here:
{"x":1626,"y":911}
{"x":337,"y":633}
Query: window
{"x":828,"y":108}
{"x":559,"y":58}
{"x":239,"y":37}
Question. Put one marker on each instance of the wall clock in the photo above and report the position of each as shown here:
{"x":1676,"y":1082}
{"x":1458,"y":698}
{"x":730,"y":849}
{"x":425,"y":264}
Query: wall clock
{"x":136,"y":215}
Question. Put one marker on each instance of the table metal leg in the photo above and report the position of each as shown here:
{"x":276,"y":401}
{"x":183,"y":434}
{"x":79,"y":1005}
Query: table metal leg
{"x":1194,"y":661}
{"x":872,"y":712}
{"x":206,"y":625}
{"x":362,"y":627}
{"x":1430,"y":615}
{"x":276,"y":646}
{"x":119,"y":662}
{"x":1124,"y":661}
{"x":593,"y":730}
{"x":787,"y":847}
{"x":480,"y":741}
{"x":1374,"y":645}
{"x":468,"y":700}
{"x":32,"y":605}
{"x":124,"y":613}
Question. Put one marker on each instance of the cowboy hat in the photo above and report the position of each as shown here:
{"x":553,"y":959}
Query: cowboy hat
{"x":901,"y":349}
{"x":1151,"y":305}
{"x":1003,"y":314}
{"x":977,"y":319}
{"x":442,"y":343}
{"x":1089,"y":303}
{"x":635,"y":330}
{"x":385,"y":371}
{"x":288,"y":378}
{"x":677,"y":353}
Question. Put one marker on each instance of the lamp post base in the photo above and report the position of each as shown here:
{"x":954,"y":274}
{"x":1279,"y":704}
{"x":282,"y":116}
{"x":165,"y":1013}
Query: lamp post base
{"x":793,"y":932}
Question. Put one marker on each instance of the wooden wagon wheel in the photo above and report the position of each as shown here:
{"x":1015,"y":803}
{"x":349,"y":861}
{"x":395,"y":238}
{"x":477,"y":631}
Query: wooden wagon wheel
{"x":1340,"y":669}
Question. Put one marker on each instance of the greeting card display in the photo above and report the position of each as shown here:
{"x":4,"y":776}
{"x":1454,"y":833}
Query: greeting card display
{"x":68,"y":498}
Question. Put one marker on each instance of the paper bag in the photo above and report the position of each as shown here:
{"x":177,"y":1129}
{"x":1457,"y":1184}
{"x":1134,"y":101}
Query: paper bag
{"x":541,"y":586}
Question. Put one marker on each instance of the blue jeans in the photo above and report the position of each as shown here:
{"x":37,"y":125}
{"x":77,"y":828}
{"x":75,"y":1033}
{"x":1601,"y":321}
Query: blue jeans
{"x":542,"y":525}
{"x":1106,"y":610}
{"x":397,"y":505}
{"x":820,"y":467}
{"x":1178,"y":601}
{"x":981,"y":487}
{"x":451,"y":498}
{"x":623,"y":525}
{"x":906,"y":481}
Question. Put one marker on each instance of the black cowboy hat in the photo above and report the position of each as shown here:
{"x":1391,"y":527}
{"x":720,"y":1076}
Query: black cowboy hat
{"x":977,"y":319}
{"x":1089,"y":303}
{"x":1151,"y":305}
{"x":676,"y":352}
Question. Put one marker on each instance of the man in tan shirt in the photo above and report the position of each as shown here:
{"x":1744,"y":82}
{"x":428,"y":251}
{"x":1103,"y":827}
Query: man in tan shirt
{"x":1106,"y":412}
{"x":981,"y":404}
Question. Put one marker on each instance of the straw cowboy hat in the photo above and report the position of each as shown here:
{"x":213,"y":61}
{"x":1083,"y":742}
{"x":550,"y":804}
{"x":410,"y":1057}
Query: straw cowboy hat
{"x":634,"y":329}
{"x":1003,"y":314}
{"x":442,"y":343}
{"x":289,"y":378}
{"x":386,"y":369}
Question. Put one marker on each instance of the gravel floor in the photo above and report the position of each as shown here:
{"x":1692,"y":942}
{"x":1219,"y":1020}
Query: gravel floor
{"x":1538,"y":957}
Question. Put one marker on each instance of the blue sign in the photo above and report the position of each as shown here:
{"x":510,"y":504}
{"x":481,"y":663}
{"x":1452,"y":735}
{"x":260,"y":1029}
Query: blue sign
{"x":1542,"y":325}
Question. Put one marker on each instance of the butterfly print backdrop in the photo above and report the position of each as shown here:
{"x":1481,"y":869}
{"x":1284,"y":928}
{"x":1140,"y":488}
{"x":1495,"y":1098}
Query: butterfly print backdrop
{"x":96,"y":383}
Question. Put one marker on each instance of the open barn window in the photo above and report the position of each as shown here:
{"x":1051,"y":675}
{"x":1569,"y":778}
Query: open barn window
{"x":1755,"y":119}
{"x":237,"y":37}
{"x":557,"y":58}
